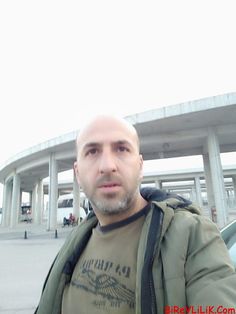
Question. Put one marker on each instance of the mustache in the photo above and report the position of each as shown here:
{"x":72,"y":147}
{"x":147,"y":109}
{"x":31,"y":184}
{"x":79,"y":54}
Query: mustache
{"x":107,"y":179}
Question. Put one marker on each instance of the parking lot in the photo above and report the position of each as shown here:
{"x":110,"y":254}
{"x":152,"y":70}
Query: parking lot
{"x":24,"y":264}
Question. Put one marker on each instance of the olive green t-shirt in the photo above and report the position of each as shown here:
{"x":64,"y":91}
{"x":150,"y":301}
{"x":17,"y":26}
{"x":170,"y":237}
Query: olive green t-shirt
{"x":104,"y":278}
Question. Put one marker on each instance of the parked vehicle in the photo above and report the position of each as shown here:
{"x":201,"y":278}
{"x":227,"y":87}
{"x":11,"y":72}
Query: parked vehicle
{"x":229,"y":236}
{"x":65,"y":208}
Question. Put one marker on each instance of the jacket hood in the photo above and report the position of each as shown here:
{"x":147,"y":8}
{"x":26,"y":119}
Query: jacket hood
{"x":152,"y":194}
{"x":172,"y":200}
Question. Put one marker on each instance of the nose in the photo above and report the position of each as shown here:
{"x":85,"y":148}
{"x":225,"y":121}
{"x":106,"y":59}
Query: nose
{"x":107,"y":163}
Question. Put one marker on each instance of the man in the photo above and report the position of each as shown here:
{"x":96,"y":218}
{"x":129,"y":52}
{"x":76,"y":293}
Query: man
{"x":138,"y":251}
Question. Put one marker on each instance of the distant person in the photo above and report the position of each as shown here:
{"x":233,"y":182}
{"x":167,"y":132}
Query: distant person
{"x":139,"y":251}
{"x":72,"y":219}
{"x":66,"y":222}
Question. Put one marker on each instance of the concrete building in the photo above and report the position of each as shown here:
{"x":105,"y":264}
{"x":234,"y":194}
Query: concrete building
{"x":204,"y":127}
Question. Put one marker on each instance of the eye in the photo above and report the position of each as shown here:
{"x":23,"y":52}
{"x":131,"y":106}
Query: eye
{"x":91,"y":151}
{"x":122,"y":149}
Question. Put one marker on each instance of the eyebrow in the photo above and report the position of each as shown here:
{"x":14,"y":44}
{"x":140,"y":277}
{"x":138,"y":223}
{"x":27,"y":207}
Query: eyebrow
{"x":96,"y":144}
{"x":122,"y":142}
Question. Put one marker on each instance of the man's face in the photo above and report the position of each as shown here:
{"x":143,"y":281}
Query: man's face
{"x":109,"y":167}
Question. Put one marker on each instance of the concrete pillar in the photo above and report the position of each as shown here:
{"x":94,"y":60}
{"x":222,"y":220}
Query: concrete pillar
{"x":198,"y":191}
{"x":217,"y":177}
{"x":6,"y":204}
{"x":76,"y":197}
{"x":53,"y":193}
{"x":193,"y":195}
{"x":158,"y":184}
{"x":31,"y":198}
{"x":15,"y":206}
{"x":33,"y":201}
{"x":9,"y":202}
{"x":39,"y":202}
{"x":209,"y":187}
{"x":234,"y":188}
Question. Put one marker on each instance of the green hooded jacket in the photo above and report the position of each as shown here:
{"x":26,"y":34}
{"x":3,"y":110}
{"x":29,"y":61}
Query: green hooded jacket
{"x":182,"y":261}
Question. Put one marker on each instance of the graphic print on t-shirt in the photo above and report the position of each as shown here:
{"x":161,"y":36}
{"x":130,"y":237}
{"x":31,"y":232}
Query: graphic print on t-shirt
{"x":104,"y":278}
{"x":106,"y":281}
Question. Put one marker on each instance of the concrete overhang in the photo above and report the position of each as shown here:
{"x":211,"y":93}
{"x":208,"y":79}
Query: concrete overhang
{"x":172,"y":131}
{"x":33,"y":164}
{"x":181,"y":130}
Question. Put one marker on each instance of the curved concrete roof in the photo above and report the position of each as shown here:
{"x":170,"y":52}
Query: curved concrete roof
{"x":171,"y":131}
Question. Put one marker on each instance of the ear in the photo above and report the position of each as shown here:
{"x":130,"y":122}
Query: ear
{"x":76,"y":171}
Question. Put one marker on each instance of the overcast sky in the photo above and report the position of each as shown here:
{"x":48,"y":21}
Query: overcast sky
{"x":62,"y":61}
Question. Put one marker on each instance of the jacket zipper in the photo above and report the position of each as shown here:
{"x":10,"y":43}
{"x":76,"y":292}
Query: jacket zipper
{"x":148,"y":296}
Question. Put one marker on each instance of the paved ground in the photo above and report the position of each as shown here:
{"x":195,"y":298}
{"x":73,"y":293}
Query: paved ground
{"x":24,"y":264}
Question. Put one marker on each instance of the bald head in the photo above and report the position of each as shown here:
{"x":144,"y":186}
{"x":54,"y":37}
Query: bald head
{"x":105,"y":124}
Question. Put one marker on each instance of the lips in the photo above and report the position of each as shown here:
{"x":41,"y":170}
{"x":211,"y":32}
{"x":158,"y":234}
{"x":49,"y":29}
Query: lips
{"x":109,"y":185}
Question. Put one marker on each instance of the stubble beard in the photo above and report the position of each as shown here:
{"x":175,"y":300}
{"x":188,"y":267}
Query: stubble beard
{"x":109,"y":206}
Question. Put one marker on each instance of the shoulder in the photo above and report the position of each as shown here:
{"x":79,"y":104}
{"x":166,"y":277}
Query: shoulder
{"x":198,"y":238}
{"x":194,"y":228}
{"x":185,"y":230}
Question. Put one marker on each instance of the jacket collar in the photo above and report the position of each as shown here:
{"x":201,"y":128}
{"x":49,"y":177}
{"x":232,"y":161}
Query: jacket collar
{"x":152,"y":194}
